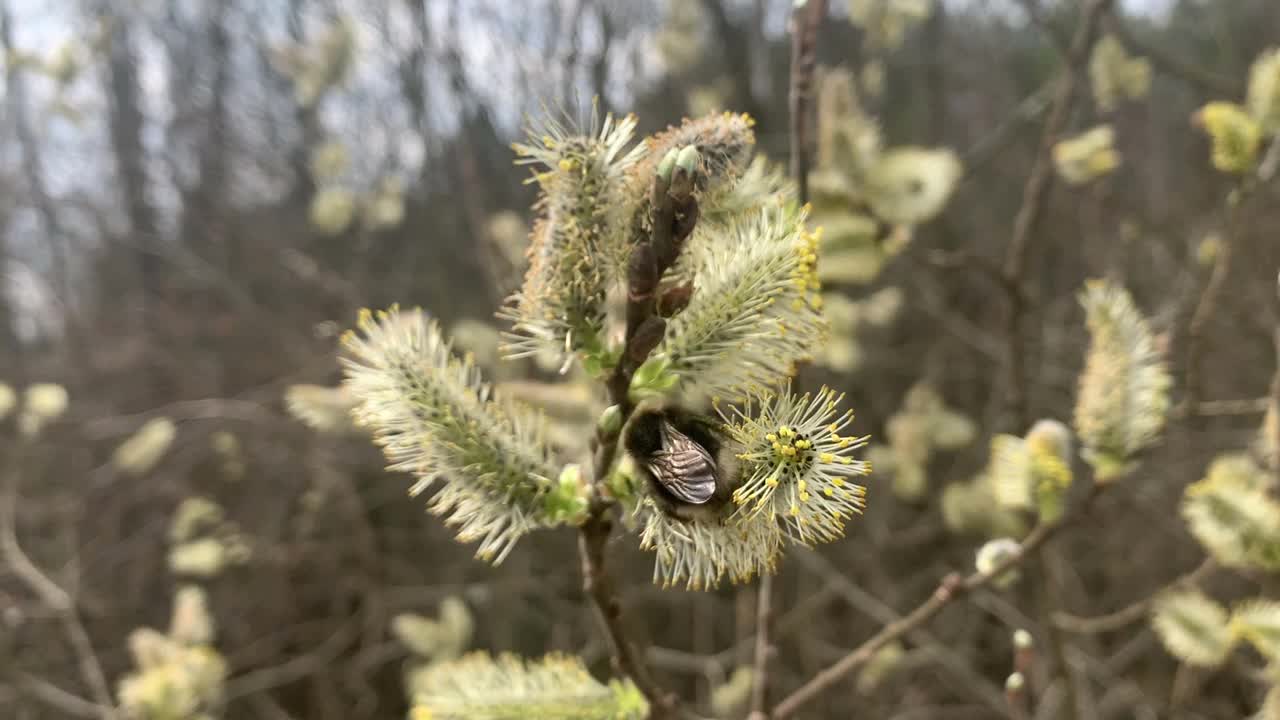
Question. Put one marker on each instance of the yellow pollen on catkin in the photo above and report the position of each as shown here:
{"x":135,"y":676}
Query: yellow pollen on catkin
{"x":804,"y":497}
{"x":827,"y":457}
{"x":771,"y":481}
{"x":771,"y":437}
{"x":838,"y":482}
{"x":802,"y":486}
{"x":785,"y":431}
{"x":829,"y":492}
{"x":566,"y":165}
{"x":795,"y":510}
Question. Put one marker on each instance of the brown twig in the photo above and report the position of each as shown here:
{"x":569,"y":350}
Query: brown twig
{"x":805,"y":22}
{"x":675,"y":212}
{"x":1246,"y":406}
{"x":1170,"y":63}
{"x":1207,"y":305}
{"x":760,"y":674}
{"x":954,"y":663}
{"x":952,"y":588}
{"x":1017,"y":697}
{"x":1275,"y":411}
{"x":1131,"y":613}
{"x":1034,"y":199}
{"x":804,"y":41}
{"x":1061,"y":43}
{"x":70,"y":704}
{"x":55,"y":599}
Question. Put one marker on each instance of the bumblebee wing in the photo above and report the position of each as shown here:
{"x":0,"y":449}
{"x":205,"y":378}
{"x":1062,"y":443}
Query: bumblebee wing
{"x":683,"y":467}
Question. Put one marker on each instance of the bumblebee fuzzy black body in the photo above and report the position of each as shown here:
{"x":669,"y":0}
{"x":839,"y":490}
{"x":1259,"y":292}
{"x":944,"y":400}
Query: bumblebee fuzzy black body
{"x":681,"y":454}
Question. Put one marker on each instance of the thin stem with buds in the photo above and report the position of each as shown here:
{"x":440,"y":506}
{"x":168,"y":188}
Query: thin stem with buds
{"x":675,"y":212}
{"x":1035,"y":197}
{"x":952,"y":588}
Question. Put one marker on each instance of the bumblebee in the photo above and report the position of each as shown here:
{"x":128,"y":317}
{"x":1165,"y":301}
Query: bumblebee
{"x":681,"y":455}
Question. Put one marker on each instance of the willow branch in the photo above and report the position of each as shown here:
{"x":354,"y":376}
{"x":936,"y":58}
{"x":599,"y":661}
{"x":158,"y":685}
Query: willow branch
{"x":675,"y":212}
{"x":952,"y":588}
{"x":1171,"y":64}
{"x":1207,"y":304}
{"x":805,"y":22}
{"x":804,"y":41}
{"x":1035,"y":197}
{"x":57,"y":600}
{"x":760,"y":674}
{"x":1131,"y":613}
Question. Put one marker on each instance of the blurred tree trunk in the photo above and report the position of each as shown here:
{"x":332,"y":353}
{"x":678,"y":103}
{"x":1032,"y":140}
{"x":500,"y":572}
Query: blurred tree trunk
{"x":11,"y":356}
{"x":33,"y":172}
{"x":569,"y":91}
{"x":126,"y":122}
{"x":600,"y":68}
{"x":935,"y":79}
{"x":413,"y":83}
{"x":761,"y":72}
{"x":472,"y":191}
{"x":304,"y":186}
{"x":738,"y":63}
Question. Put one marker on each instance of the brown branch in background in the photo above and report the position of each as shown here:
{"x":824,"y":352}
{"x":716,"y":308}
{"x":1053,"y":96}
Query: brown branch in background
{"x":1132,"y":613}
{"x":1275,"y":406}
{"x":675,"y":212}
{"x":56,"y":600}
{"x":1034,"y":199}
{"x":1057,"y":38}
{"x":1207,"y":305}
{"x":47,"y":206}
{"x":804,"y":41}
{"x":958,"y":667}
{"x":1017,"y":697}
{"x":759,"y":675}
{"x":806,"y":19}
{"x":952,"y":588}
{"x":1170,"y":64}
{"x":1247,"y":406}
{"x":990,"y":146}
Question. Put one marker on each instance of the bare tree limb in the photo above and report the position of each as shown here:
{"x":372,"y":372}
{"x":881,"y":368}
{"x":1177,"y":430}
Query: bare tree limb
{"x":805,"y":22}
{"x":57,"y":600}
{"x":760,"y":672}
{"x":1131,"y":613}
{"x":1170,"y":64}
{"x":1035,"y":198}
{"x":952,"y":588}
{"x":1207,"y":304}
